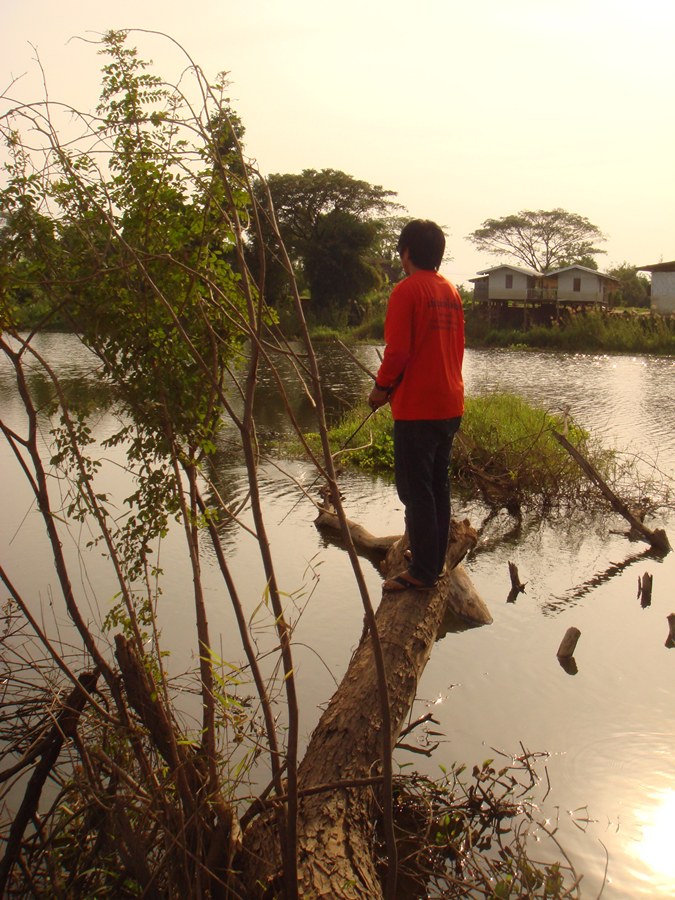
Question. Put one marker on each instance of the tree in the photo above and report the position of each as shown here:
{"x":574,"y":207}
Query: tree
{"x":136,"y":231}
{"x":301,"y":201}
{"x":25,"y":231}
{"x":541,"y":239}
{"x":586,"y":261}
{"x":143,"y":254}
{"x":334,"y":227}
{"x":466,"y":293}
{"x":148,"y":216}
{"x":634,"y":288}
{"x":338,"y":261}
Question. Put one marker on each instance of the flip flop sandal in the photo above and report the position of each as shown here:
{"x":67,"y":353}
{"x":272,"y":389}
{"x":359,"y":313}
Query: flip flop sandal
{"x":403,"y":582}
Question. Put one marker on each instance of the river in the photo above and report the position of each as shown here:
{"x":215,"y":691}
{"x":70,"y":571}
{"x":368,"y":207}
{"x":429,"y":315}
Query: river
{"x":608,"y":781}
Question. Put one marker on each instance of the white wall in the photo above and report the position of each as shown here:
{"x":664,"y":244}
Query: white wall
{"x":497,"y":289}
{"x":663,"y":292}
{"x":591,"y":289}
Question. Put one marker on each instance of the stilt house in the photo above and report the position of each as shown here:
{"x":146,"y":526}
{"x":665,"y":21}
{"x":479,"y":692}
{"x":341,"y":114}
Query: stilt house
{"x":518,"y":296}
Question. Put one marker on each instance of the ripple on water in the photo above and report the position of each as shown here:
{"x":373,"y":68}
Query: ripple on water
{"x":629,"y":781}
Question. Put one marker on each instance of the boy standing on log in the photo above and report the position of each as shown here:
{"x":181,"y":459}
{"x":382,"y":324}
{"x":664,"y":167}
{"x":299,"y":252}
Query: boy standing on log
{"x":421,"y":376}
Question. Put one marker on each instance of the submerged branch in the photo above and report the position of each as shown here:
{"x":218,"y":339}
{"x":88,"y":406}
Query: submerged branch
{"x":657,"y":538}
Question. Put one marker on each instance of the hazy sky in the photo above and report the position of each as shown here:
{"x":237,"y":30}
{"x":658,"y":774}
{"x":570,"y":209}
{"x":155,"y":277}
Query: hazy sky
{"x":468,"y":109}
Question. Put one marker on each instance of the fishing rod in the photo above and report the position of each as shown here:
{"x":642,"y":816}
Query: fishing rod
{"x":355,"y":432}
{"x":359,"y":427}
{"x":339,"y":450}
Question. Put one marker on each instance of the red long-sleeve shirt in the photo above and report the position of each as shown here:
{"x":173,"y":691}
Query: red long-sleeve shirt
{"x":424,"y":337}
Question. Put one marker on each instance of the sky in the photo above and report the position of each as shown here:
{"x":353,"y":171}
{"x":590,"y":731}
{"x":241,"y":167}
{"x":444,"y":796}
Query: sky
{"x":467,"y":109}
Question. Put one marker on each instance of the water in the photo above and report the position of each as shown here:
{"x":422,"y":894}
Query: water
{"x":609,"y":728}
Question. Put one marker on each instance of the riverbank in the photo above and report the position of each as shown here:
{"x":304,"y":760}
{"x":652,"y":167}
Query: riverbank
{"x":593,"y":332}
{"x":610,"y":331}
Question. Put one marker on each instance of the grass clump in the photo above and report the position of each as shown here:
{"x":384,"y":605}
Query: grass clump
{"x":506,"y":449}
{"x":321,"y":333}
{"x":372,"y":447}
{"x":371,"y":329}
{"x":505,"y":452}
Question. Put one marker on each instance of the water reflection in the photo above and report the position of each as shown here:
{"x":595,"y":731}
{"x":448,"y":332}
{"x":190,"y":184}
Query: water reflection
{"x":81,"y":388}
{"x":569,"y":664}
{"x":556,"y":604}
{"x":655,"y":847}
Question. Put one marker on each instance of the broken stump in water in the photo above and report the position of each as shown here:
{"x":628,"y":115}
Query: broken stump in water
{"x":670,"y":640}
{"x":517,"y":587}
{"x":569,"y":643}
{"x":645,"y":589}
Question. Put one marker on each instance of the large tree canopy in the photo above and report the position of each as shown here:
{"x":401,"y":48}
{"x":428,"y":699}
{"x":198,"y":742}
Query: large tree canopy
{"x":541,"y":239}
{"x":335,"y":228}
{"x":302,"y":201}
{"x":338,"y":261}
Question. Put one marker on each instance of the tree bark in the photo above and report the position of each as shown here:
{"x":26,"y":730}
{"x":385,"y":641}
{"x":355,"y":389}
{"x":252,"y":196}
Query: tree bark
{"x":337,"y":812}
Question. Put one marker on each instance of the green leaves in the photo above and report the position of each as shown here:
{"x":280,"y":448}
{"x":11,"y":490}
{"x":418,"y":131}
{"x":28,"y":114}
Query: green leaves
{"x":129,"y":236}
{"x":540,"y":239}
{"x":333,"y":226}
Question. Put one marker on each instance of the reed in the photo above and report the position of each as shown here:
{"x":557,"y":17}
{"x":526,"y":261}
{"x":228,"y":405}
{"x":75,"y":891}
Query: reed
{"x":584,"y":333}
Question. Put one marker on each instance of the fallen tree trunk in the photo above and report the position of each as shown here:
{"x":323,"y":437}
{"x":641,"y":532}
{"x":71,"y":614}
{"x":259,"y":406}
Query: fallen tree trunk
{"x":657,"y":538}
{"x":337,"y":812}
{"x":462,"y":598}
{"x":363,"y":539}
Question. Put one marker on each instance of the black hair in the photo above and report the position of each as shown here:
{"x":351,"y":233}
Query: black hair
{"x":425,"y":243}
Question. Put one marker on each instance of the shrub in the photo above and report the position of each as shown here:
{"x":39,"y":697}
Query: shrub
{"x":506,"y":450}
{"x":586,"y":332}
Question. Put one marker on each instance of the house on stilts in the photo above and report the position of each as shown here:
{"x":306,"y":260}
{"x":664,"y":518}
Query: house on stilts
{"x":518,"y":297}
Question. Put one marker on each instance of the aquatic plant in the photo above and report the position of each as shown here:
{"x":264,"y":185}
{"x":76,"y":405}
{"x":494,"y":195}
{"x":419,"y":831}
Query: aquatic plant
{"x":504,"y":452}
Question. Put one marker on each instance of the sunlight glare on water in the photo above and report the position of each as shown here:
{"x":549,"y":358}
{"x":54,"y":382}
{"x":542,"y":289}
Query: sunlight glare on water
{"x":657,"y":845}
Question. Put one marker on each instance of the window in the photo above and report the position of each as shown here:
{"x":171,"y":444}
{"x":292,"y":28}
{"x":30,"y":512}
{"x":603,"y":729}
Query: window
{"x":576,"y":286}
{"x":509,"y":281}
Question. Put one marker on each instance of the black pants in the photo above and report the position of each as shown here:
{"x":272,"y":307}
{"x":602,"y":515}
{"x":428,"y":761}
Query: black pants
{"x":422,"y":451}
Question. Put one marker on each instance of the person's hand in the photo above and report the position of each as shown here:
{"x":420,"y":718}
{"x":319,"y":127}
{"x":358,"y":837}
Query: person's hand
{"x":378,"y":397}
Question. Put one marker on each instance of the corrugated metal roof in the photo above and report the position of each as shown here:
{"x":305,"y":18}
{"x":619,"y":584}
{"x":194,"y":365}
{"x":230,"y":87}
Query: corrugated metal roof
{"x":658,"y":267}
